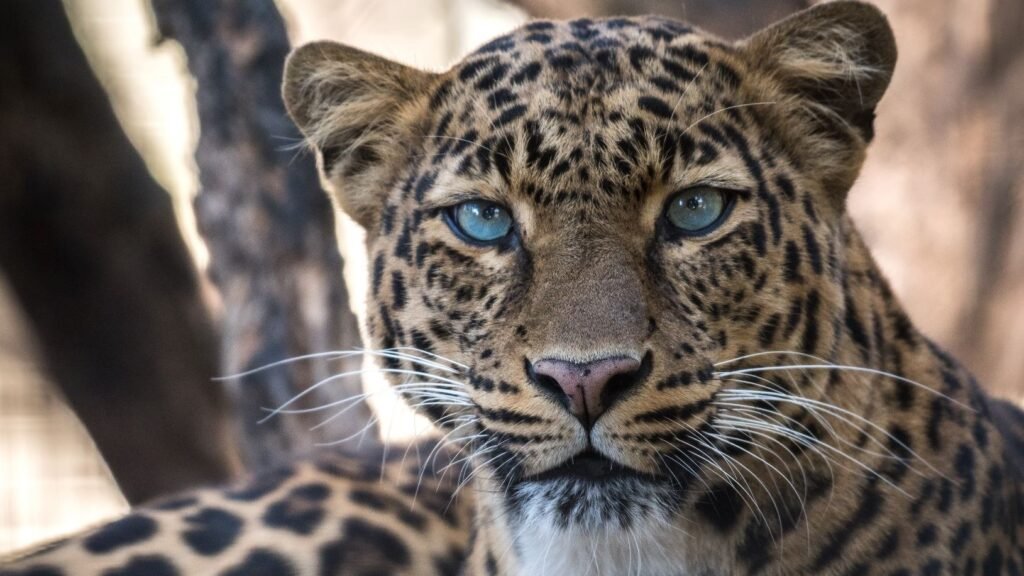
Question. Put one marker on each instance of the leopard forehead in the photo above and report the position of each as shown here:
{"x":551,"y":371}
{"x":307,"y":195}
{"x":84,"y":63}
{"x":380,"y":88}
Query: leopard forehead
{"x":579,"y":60}
{"x":588,"y":113}
{"x":583,"y":129}
{"x":573,"y":56}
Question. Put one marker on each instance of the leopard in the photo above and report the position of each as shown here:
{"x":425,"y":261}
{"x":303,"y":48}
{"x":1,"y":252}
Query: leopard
{"x":610,"y":259}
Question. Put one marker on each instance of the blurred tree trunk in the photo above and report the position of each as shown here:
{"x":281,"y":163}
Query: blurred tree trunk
{"x":92,"y":251}
{"x":939,"y":199}
{"x":269,"y":227}
{"x":993,"y":324}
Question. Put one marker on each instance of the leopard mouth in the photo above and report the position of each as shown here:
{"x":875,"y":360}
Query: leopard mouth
{"x":592,"y":492}
{"x":588,"y":466}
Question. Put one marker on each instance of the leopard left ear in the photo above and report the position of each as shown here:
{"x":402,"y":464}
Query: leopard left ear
{"x":839,"y":56}
{"x":357,"y":110}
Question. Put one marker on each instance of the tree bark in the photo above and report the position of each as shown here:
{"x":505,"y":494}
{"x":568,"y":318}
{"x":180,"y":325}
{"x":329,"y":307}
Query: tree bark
{"x":269,"y":227}
{"x":992,"y":326}
{"x":92,"y":251}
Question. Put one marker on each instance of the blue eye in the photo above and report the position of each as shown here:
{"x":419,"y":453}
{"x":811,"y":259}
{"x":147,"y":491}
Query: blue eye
{"x":480,"y":221}
{"x":697,"y":210}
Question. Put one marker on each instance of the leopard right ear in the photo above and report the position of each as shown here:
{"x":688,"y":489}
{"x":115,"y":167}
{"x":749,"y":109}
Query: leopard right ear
{"x":838,"y":55}
{"x":356,"y":109}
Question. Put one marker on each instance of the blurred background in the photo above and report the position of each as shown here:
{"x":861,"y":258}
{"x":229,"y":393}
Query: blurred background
{"x":160,"y":225}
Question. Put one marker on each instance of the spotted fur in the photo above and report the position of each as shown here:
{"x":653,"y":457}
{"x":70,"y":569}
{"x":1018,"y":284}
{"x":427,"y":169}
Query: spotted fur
{"x":338,"y":514}
{"x":786,"y":416}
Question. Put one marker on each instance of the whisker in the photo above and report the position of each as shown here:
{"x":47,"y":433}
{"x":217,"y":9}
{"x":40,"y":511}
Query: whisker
{"x":860,"y":369}
{"x":369,"y":425}
{"x":473,"y":473}
{"x":743,"y":423}
{"x":431,"y":354}
{"x":729,"y":459}
{"x":743,"y":490}
{"x":342,"y":375}
{"x":755,"y":412}
{"x":443,"y":442}
{"x":736,"y":443}
{"x":792,"y":457}
{"x":832,"y":410}
{"x":726,"y":109}
{"x":423,"y":389}
{"x":771,"y":353}
{"x":773,"y":387}
{"x":342,"y":354}
{"x":888,"y":454}
{"x":314,"y":356}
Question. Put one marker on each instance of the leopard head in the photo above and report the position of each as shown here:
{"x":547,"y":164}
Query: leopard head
{"x":572,"y":229}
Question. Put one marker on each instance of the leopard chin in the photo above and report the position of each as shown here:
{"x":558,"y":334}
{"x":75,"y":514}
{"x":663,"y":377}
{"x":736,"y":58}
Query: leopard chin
{"x":592,"y":492}
{"x":568,"y":503}
{"x":590,"y":545}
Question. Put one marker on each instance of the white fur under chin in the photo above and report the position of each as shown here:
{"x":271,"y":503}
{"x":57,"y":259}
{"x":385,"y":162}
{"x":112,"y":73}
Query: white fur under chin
{"x":649,"y":549}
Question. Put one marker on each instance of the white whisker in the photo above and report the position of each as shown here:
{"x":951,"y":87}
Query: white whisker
{"x":395,"y":353}
{"x":726,"y":109}
{"x":828,"y":366}
{"x":771,"y":353}
{"x":832,"y":410}
{"x":342,"y":375}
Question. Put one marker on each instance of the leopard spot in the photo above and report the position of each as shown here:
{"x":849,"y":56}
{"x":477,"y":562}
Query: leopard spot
{"x":262,"y":562}
{"x":145,"y":566}
{"x":121,"y":533}
{"x":300,"y":512}
{"x":211,"y":531}
{"x":372,"y":547}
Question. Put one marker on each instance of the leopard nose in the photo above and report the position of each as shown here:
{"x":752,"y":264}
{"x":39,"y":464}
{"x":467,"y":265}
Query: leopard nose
{"x":587,"y":389}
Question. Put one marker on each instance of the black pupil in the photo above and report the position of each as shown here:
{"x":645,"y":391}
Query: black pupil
{"x":490,"y":212}
{"x":695,"y":202}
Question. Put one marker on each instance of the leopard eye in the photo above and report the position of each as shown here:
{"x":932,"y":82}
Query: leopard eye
{"x":697,"y":210}
{"x":480,"y":221}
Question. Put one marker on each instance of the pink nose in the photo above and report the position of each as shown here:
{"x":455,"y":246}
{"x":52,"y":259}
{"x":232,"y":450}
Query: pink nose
{"x":590,"y":387}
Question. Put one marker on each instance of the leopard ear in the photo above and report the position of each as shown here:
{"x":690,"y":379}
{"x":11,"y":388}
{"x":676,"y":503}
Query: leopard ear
{"x":839,"y":56}
{"x":357,"y":110}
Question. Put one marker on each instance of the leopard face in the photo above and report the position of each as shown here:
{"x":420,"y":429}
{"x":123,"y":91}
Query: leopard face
{"x":598,"y":249}
{"x":589,"y":217}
